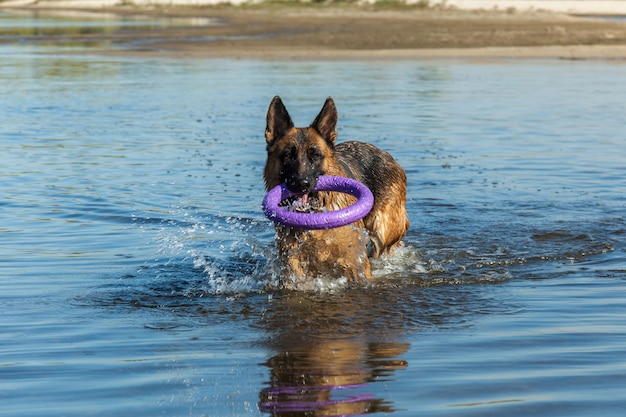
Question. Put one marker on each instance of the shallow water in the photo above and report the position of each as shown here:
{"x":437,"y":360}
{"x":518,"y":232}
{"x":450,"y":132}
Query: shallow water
{"x":137,"y":267}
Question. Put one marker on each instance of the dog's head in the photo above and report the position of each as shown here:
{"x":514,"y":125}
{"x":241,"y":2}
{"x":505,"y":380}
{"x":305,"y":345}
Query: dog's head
{"x":298,"y":156}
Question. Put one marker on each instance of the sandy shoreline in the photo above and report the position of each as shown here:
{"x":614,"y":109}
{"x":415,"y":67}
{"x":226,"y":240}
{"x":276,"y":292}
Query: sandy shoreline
{"x":580,"y":7}
{"x":340,"y":32}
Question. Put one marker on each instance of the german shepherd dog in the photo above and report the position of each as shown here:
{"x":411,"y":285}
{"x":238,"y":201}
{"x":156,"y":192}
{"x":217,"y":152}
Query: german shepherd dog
{"x":297,"y":157}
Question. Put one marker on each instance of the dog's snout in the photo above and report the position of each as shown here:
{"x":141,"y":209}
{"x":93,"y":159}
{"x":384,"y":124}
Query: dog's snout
{"x":301,"y":185}
{"x":304,"y":184}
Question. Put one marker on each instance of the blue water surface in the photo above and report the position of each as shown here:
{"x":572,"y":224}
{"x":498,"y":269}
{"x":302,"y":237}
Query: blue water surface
{"x":137,"y":269}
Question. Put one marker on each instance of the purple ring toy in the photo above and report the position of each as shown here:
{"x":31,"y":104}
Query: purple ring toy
{"x":322,"y":220}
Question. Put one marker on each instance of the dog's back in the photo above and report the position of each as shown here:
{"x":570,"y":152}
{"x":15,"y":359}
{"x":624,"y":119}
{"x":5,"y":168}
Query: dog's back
{"x":387,"y":222}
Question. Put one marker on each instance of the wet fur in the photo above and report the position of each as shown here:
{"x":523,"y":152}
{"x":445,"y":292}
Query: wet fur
{"x":298,"y":156}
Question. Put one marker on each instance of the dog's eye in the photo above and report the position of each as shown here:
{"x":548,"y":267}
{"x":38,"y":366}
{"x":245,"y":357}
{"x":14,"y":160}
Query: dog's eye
{"x":314,"y":155}
{"x":289,"y":154}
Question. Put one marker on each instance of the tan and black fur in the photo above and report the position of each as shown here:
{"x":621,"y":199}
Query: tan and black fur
{"x":297,"y":157}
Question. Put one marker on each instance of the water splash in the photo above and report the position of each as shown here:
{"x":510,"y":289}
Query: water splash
{"x":236,"y":255}
{"x":228,"y":252}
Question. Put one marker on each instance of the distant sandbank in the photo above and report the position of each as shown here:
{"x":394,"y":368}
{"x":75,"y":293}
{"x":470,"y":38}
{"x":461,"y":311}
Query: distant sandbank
{"x":351,"y":31}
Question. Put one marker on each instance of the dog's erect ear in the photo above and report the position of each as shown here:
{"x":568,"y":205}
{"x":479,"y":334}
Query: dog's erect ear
{"x":326,"y":121}
{"x":278,"y":120}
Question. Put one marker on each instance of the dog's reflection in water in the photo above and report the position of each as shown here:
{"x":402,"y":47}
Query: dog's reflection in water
{"x":330,"y":378}
{"x":328,"y":372}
